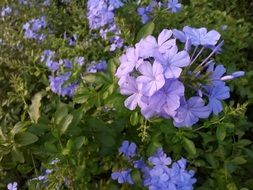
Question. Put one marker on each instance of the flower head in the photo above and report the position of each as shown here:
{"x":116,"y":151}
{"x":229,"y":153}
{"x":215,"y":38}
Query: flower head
{"x":12,"y":186}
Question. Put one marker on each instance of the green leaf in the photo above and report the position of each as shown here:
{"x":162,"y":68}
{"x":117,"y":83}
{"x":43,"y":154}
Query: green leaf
{"x":25,"y":138}
{"x":136,"y":175}
{"x":80,"y":141}
{"x":24,"y":168}
{"x":65,"y":123}
{"x":134,"y":119}
{"x":106,"y":139}
{"x":61,"y":112}
{"x":34,"y":109}
{"x":17,"y":155}
{"x":17,"y":128}
{"x":82,"y":95}
{"x":146,"y":30}
{"x":221,"y":132}
{"x":239,"y":160}
{"x":189,"y":146}
{"x":50,"y":147}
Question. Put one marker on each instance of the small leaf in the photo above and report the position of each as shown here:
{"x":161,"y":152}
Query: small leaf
{"x":82,"y":95}
{"x":146,"y":30}
{"x":25,"y":138}
{"x":24,"y":169}
{"x":34,"y":109}
{"x":189,"y":146}
{"x":65,"y":123}
{"x":17,"y":155}
{"x":50,"y":147}
{"x":17,"y":128}
{"x":134,"y":118}
{"x":221,"y":132}
{"x":239,"y":160}
{"x":80,"y":141}
{"x":61,"y":112}
{"x":136,"y":175}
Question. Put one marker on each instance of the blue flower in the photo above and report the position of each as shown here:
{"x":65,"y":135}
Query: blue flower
{"x":12,"y":186}
{"x":79,"y":60}
{"x":215,"y":95}
{"x":56,"y":83}
{"x":128,"y":149}
{"x":6,"y":11}
{"x":198,"y":36}
{"x":189,"y":112}
{"x":151,"y":79}
{"x":174,"y":6}
{"x":33,"y":27}
{"x":160,"y":158}
{"x":101,"y":65}
{"x":123,"y":177}
{"x":47,"y":55}
{"x":115,"y":3}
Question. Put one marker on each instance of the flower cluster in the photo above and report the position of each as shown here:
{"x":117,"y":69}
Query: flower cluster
{"x":60,"y":83}
{"x":145,"y":11}
{"x":165,"y":81}
{"x":101,"y":16}
{"x":63,"y":80}
{"x":95,"y":67}
{"x":32,"y":28}
{"x":158,"y":173}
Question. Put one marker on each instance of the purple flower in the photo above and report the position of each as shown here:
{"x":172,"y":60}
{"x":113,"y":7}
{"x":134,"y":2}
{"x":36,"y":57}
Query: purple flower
{"x":33,"y":27}
{"x":128,"y":149}
{"x":128,"y":62}
{"x":160,"y":158}
{"x":52,"y":65}
{"x":189,"y":112}
{"x":165,"y":101}
{"x":152,"y":78}
{"x":6,"y":11}
{"x":174,"y":6}
{"x":99,"y":14}
{"x":198,"y":36}
{"x":72,"y":40}
{"x":12,"y":186}
{"x":149,"y":47}
{"x":216,"y":73}
{"x":238,"y":74}
{"x":174,"y":61}
{"x":123,"y":177}
{"x":23,"y":2}
{"x":56,"y":83}
{"x":130,"y":87}
{"x":115,"y":3}
{"x":145,"y":12}
{"x":47,"y":55}
{"x":215,"y":95}
{"x":101,"y":65}
{"x":79,"y":60}
{"x":117,"y":43}
{"x":69,"y":90}
{"x":67,"y":63}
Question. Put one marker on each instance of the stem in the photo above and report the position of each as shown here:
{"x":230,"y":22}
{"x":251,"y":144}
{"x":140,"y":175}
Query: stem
{"x":197,"y":55}
{"x":36,"y":172}
{"x":194,"y":52}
